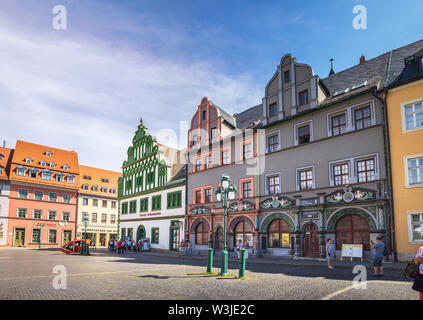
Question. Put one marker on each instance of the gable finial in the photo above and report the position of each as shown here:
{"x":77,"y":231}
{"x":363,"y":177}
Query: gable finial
{"x":331,"y":72}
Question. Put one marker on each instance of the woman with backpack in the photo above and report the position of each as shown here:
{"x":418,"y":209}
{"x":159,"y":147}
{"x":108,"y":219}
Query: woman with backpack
{"x":418,"y":280}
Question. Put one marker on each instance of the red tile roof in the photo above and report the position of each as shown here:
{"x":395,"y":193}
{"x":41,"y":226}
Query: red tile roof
{"x":5,"y":160}
{"x":96,"y":175}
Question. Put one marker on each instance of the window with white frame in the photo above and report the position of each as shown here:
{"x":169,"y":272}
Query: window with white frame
{"x":415,"y":170}
{"x":362,"y":117}
{"x":66,"y":198}
{"x":247,"y":151}
{"x":305,"y":178}
{"x":52,"y":215}
{"x":273,"y":184}
{"x":85,"y":186}
{"x":52,"y":165}
{"x":247,"y":190}
{"x":226,"y":157}
{"x":338,"y":124}
{"x":22,"y":212}
{"x":20,"y":171}
{"x":60,"y":177}
{"x":33,"y":173}
{"x":66,"y":216}
{"x":38,"y":195}
{"x":341,"y":174}
{"x":272,"y":141}
{"x":48,"y":153}
{"x":37,"y":213}
{"x":70,"y":178}
{"x":65,"y":167}
{"x":366,"y":170}
{"x":413,"y":116}
{"x":28,"y":160}
{"x":208,"y":162}
{"x":52,"y":196}
{"x":303,"y":132}
{"x":23,"y":193}
{"x":198,"y":164}
{"x":46,"y":175}
{"x":43,"y":163}
{"x":415,"y":226}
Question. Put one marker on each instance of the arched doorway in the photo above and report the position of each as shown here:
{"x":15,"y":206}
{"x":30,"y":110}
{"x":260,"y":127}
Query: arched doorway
{"x":218,"y":238}
{"x":244,"y":232}
{"x":352,"y":229}
{"x":140,"y":232}
{"x":311,"y":241}
{"x":202,"y":234}
{"x":278,"y":234}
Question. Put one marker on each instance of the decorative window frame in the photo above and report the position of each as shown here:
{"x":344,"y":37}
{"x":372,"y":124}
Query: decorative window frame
{"x":272,"y":133}
{"x":348,"y":121}
{"x":159,"y":196}
{"x":241,"y":149}
{"x":27,"y":193}
{"x":266,"y":184}
{"x":33,"y":214}
{"x":57,"y":196}
{"x":407,"y":178}
{"x":241,"y":189}
{"x":33,"y":194}
{"x":201,"y":189}
{"x":26,"y":213}
{"x":297,"y":177}
{"x":63,"y":197}
{"x":301,"y":124}
{"x":403,"y":124}
{"x":21,"y":167}
{"x":410,"y":227}
{"x":362,"y":105}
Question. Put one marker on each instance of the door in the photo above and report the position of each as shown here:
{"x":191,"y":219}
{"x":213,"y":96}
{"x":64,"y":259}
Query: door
{"x":19,"y":237}
{"x":311,"y":241}
{"x":352,"y":229}
{"x":174,"y":239}
{"x":67,"y":236}
{"x":219,"y":238}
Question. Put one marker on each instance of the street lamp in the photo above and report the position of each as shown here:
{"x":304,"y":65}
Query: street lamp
{"x":224,"y":193}
{"x":39,"y":240}
{"x":84,"y":250}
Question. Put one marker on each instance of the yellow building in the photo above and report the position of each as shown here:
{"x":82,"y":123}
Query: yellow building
{"x":405,"y":115}
{"x":97,"y":197}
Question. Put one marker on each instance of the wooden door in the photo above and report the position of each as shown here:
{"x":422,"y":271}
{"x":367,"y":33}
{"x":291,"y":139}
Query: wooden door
{"x":311,"y":241}
{"x":19,"y":237}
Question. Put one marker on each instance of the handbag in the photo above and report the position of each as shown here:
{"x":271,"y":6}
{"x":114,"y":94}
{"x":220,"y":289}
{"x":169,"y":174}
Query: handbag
{"x":418,"y":283}
{"x":411,"y":270}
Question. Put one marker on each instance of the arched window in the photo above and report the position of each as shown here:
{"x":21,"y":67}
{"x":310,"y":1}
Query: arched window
{"x":278,"y":234}
{"x":244,"y":232}
{"x":202,"y":234}
{"x":352,"y":229}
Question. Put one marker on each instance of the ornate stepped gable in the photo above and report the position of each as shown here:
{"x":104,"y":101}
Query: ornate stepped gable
{"x":142,"y":166}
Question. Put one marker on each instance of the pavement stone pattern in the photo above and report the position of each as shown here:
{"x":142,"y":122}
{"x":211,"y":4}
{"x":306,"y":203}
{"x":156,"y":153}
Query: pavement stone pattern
{"x":27,"y":274}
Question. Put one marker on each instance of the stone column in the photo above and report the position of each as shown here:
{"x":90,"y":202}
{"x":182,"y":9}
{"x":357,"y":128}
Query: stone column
{"x":97,"y":239}
{"x":297,"y":246}
{"x":107,"y":239}
{"x":320,"y":211}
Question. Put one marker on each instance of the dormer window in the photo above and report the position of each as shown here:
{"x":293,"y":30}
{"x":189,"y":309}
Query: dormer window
{"x":20,"y":171}
{"x":70,"y":178}
{"x":104,"y":189}
{"x":48,"y":153}
{"x":95,"y":188}
{"x":65,"y":167}
{"x":85,"y":186}
{"x":52,"y":165}
{"x":87,"y":177}
{"x":60,"y":177}
{"x":33,"y":173}
{"x":104,"y":180}
{"x":28,"y":160}
{"x":43,"y":163}
{"x":46,"y":174}
{"x":113,"y":191}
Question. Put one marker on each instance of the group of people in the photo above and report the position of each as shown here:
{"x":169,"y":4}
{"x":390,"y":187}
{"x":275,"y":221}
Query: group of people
{"x":185,"y":248}
{"x":120,"y":246}
{"x":380,"y":251}
{"x":242,"y":245}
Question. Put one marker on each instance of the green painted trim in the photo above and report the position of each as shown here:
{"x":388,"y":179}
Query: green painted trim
{"x":133,"y":206}
{"x":153,"y":241}
{"x":170,"y":194}
{"x":179,"y":184}
{"x":158,"y":202}
{"x":144,"y":203}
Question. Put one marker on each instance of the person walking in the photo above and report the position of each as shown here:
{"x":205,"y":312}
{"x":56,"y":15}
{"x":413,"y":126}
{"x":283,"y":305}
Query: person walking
{"x":330,"y":253}
{"x":418,"y":281}
{"x":379,"y":248}
{"x":246,"y":246}
{"x":238,"y":248}
{"x":119,"y":247}
{"x":189,"y":251}
{"x":182,"y":248}
{"x":139,"y":245}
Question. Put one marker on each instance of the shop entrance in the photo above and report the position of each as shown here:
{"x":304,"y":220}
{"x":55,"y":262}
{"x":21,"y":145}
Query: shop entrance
{"x":140,"y":233}
{"x":19,"y":237}
{"x":174,"y":239}
{"x":67,"y":236}
{"x":311,"y":246}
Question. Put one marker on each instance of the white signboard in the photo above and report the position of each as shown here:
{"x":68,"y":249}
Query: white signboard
{"x":352,"y":251}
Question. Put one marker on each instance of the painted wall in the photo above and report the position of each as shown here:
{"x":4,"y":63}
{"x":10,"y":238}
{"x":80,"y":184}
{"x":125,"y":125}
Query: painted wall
{"x":4,"y":211}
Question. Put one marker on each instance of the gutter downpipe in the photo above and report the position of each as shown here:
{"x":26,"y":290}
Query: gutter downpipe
{"x":387,"y":151}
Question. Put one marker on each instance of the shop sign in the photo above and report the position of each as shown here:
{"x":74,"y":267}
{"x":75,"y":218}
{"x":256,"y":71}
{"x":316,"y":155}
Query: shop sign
{"x":149,"y":214}
{"x":309,"y":215}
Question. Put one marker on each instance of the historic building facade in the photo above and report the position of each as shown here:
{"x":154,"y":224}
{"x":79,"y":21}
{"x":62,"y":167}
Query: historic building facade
{"x":405,"y":116}
{"x":152,"y":193}
{"x":5,"y":159}
{"x":43,"y":195}
{"x":97,"y":197}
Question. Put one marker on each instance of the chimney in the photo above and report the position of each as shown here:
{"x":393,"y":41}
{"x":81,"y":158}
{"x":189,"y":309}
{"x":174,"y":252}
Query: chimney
{"x":362,"y":59}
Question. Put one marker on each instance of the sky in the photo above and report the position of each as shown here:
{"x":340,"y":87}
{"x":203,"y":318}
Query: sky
{"x":85,"y":88}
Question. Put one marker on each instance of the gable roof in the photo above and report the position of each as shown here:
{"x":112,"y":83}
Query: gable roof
{"x":249,"y":116}
{"x":412,"y":71}
{"x":5,"y":160}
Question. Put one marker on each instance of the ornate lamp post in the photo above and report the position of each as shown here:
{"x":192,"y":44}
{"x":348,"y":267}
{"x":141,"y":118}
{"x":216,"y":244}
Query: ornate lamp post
{"x":84,"y":250}
{"x":224,"y":193}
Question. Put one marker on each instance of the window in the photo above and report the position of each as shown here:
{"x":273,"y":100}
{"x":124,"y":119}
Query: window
{"x":70,"y":178}
{"x":52,"y":236}
{"x":66,"y":216}
{"x":155,"y":235}
{"x":23,"y":193}
{"x":48,"y":153}
{"x":198,"y":164}
{"x":415,"y":171}
{"x":85,"y":201}
{"x":213,"y":133}
{"x":60,"y":177}
{"x":416,"y":226}
{"x":85,"y":186}
{"x":207,"y":195}
{"x":150,"y":177}
{"x":362,"y":118}
{"x":303,"y":134}
{"x":94,"y":188}
{"x":339,"y":124}
{"x":303,"y":97}
{"x":124,"y":207}
{"x":306,"y":179}
{"x":65,"y":167}
{"x":46,"y":175}
{"x":87,"y":177}
{"x":113,"y":205}
{"x":278,"y":234}
{"x":113,"y":191}
{"x":133,"y":206}
{"x":105,"y":180}
{"x":94,"y":217}
{"x":366,"y":170}
{"x":22,"y":213}
{"x":247,"y":189}
{"x":66,"y":198}
{"x":37,"y":213}
{"x":144,"y":205}
{"x":273,"y":110}
{"x":198,"y":196}
{"x":202,"y":234}
{"x":341,"y":174}
{"x":52,"y":196}
{"x":413,"y":116}
{"x":95,"y":203}
{"x":208,"y":162}
{"x":112,"y":218}
{"x":286,"y":76}
{"x":226,"y":157}
{"x":194,"y":140}
{"x":104,"y":203}
{"x":174,"y":200}
{"x":38,"y":195}
{"x":138,"y":181}
{"x":36,"y":234}
{"x":156,"y":203}
{"x":43,"y":163}
{"x":273,"y":184}
{"x":28,"y":160}
{"x":52,"y":215}
{"x":273,"y":143}
{"x":20,"y":171}
{"x":33,"y":173}
{"x":246,"y":151}
{"x":52,"y":165}
{"x":103,"y":218}
{"x":104,"y":189}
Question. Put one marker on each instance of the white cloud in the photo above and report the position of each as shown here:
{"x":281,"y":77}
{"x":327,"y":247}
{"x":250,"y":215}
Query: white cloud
{"x":87,"y":94}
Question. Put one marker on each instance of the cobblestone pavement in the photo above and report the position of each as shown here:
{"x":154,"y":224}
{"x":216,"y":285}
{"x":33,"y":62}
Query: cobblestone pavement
{"x":28,"y":274}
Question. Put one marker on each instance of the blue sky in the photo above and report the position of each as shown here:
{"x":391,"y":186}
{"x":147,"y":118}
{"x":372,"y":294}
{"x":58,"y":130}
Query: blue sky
{"x":86,"y":87}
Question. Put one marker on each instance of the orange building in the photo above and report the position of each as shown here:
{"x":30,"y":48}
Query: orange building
{"x":405,"y":116}
{"x":5,"y":158}
{"x":43,"y":195}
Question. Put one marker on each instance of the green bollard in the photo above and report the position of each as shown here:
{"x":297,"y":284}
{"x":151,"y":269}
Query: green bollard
{"x":210,"y":261}
{"x":242,"y":263}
